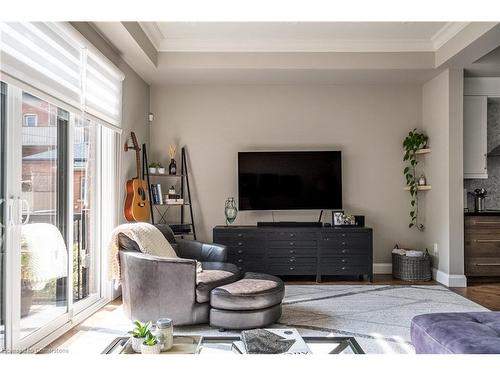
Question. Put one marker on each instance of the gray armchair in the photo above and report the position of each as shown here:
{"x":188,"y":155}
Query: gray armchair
{"x":155,"y":287}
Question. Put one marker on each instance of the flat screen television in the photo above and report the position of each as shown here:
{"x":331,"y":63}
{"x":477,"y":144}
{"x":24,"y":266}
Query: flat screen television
{"x":290,"y":180}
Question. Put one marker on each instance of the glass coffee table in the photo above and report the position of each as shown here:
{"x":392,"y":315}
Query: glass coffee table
{"x":231,"y":345}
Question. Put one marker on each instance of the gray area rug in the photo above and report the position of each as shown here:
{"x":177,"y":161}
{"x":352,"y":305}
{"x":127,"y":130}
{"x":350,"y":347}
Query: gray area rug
{"x":378,"y":316}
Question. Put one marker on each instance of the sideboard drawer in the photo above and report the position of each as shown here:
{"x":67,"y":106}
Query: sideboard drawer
{"x":482,"y":267}
{"x":300,"y":252}
{"x":339,"y":251}
{"x":297,"y":261}
{"x":291,"y":235}
{"x":305,"y":269}
{"x":275,"y":244}
{"x":487,"y":245}
{"x":346,"y":260}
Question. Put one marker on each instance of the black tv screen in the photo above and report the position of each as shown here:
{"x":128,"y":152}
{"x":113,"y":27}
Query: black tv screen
{"x":290,"y":180}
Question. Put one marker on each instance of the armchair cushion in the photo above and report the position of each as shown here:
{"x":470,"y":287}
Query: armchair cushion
{"x":214,"y":274}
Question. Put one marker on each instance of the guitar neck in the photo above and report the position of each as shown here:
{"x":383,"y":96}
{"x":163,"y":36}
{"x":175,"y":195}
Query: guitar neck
{"x":138,"y":164}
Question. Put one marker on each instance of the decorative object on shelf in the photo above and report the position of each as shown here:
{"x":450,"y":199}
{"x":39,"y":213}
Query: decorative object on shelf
{"x":164,"y":333}
{"x":150,"y":345}
{"x":160,"y":168}
{"x":422,"y":181}
{"x":152,"y":168}
{"x":230,"y":210}
{"x":156,"y":194}
{"x":414,"y":142}
{"x":139,"y":333}
{"x":338,"y":217}
{"x":172,"y":168}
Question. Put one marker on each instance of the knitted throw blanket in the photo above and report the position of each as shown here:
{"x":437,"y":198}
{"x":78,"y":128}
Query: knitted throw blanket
{"x":149,"y":239}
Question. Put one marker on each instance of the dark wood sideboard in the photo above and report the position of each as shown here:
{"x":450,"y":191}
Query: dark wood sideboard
{"x":308,"y":251}
{"x":482,"y":245}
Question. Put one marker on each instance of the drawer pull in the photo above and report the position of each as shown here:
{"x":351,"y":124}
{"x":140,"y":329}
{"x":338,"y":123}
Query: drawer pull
{"x":240,"y":268}
{"x":292,"y":234}
{"x":292,"y":268}
{"x":345,"y":251}
{"x":487,"y":241}
{"x":292,"y":251}
{"x":240,"y":251}
{"x":487,"y":264}
{"x":292,"y":243}
{"x":292,"y":260}
{"x":240,"y":234}
{"x":344,"y":260}
{"x":344,"y":268}
{"x":343,"y":243}
{"x":486,"y":222}
{"x":343,"y":234}
{"x":240,"y":260}
{"x":240,"y":243}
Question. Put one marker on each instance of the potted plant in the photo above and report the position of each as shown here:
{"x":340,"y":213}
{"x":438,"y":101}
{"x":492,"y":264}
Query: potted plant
{"x":413,"y":142}
{"x":152,"y":168}
{"x":139,"y":334}
{"x":150,"y":345}
{"x":160,"y":168}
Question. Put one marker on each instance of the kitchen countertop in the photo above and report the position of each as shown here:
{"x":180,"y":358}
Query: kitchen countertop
{"x":482,"y":213}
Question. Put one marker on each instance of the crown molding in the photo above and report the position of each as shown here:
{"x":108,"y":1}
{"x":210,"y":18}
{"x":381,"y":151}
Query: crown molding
{"x":279,"y":45}
{"x":447,"y":32}
{"x":153,"y":32}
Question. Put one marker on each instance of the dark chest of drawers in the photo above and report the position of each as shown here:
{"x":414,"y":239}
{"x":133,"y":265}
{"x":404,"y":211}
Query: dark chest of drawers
{"x":482,"y":246}
{"x":297,"y":251}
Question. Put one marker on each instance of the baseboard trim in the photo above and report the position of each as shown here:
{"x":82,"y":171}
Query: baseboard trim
{"x":449,"y":280}
{"x":382,"y":268}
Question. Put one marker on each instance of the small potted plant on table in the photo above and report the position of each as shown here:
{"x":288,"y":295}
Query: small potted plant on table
{"x":150,"y":345}
{"x":139,"y":334}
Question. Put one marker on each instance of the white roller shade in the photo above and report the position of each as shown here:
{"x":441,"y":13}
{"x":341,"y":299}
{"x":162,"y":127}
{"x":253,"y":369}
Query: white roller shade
{"x":103,"y":90}
{"x":55,"y":58}
{"x":43,"y":56}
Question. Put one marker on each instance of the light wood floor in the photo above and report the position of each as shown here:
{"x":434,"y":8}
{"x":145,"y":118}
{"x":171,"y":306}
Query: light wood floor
{"x":485,"y":294}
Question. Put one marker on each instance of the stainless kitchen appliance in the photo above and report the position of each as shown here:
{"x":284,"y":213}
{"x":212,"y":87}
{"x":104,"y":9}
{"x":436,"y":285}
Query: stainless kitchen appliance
{"x":479,"y":199}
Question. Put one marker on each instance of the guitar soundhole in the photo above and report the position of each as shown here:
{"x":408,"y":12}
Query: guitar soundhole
{"x":142,"y":194}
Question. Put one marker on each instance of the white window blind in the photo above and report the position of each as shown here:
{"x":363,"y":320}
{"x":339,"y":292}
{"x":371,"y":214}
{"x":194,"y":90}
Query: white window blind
{"x":56,"y":59}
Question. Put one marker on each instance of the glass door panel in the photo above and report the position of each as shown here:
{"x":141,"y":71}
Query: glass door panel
{"x":85,"y":256}
{"x":3,"y":102}
{"x":44,"y":255}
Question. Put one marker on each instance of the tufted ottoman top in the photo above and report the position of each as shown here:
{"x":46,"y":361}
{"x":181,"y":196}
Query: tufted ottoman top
{"x":457,"y":333}
{"x":253,"y":292}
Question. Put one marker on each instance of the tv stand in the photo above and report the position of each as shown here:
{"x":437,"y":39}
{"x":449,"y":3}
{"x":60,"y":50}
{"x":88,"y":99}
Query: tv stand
{"x":290,"y":224}
{"x":291,"y":250}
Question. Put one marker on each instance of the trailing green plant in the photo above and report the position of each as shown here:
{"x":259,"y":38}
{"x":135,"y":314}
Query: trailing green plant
{"x":413,"y":142}
{"x":141,"y":329}
{"x":150,"y":340}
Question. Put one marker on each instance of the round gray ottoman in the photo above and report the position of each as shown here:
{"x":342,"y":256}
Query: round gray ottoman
{"x":251,"y":302}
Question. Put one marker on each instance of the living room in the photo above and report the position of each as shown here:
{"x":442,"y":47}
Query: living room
{"x":256,"y":185}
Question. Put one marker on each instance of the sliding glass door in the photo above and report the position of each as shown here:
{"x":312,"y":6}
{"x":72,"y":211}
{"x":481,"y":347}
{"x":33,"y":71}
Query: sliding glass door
{"x":49,"y":215}
{"x":3,"y":101}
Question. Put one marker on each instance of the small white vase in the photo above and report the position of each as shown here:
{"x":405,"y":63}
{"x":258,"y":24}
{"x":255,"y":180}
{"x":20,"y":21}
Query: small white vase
{"x":136,"y":343}
{"x":148,"y":349}
{"x":152,"y":170}
{"x":161,"y":170}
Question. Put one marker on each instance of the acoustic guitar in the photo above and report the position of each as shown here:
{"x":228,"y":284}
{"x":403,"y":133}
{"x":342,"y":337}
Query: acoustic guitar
{"x":136,"y":206}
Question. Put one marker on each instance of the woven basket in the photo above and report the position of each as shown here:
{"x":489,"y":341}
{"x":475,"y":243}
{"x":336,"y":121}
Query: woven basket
{"x":411,"y":268}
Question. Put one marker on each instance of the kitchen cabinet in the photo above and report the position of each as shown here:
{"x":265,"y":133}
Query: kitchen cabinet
{"x":475,"y":136}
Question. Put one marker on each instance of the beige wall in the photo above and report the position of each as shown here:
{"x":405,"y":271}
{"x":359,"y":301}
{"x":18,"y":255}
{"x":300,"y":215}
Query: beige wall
{"x":135,"y":105}
{"x":442,"y":114}
{"x":368,"y":123}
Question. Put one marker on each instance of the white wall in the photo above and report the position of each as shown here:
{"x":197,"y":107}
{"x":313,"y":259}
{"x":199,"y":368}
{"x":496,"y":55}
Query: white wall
{"x":442,"y":115}
{"x":366,"y":122}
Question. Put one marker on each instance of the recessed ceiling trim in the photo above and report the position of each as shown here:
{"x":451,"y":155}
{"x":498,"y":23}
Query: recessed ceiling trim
{"x":277,"y":45}
{"x":447,"y":32}
{"x":153,"y":32}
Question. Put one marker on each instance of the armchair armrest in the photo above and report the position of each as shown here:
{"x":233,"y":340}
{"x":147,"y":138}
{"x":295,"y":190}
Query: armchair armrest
{"x":154,"y":285}
{"x":201,"y":251}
